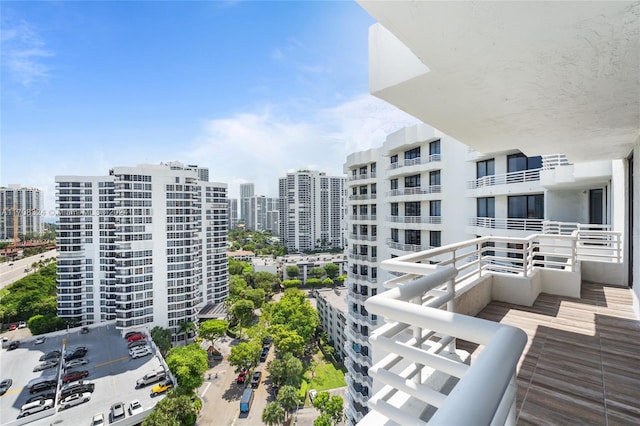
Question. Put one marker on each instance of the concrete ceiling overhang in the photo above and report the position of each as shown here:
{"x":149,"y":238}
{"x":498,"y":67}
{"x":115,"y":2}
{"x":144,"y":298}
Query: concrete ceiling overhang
{"x":543,"y":77}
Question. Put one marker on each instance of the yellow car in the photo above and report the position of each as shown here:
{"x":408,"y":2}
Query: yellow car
{"x":161,"y":387}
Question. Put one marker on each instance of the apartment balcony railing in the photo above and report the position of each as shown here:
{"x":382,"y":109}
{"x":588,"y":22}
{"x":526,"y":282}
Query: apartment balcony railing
{"x":505,"y":178}
{"x":418,"y":190}
{"x":414,"y":161}
{"x":485,"y":391}
{"x":363,"y":257}
{"x":415,"y":219}
{"x":406,"y":247}
{"x":532,"y":225}
{"x":360,"y":197}
{"x":362,"y":217}
{"x":370,"y":175}
{"x":553,"y":161}
{"x":567,"y":228}
{"x":360,"y":237}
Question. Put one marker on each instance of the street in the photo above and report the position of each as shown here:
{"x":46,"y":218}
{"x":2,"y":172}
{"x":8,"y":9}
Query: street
{"x":12,"y":271}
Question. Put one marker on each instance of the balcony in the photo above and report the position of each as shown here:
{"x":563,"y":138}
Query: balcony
{"x":362,"y":217}
{"x":573,"y":363}
{"x":418,"y":190}
{"x":362,"y":197}
{"x":371,"y":175}
{"x":406,"y":247}
{"x":413,"y":162}
{"x":513,"y":224}
{"x":505,"y":179}
{"x":435,"y":220}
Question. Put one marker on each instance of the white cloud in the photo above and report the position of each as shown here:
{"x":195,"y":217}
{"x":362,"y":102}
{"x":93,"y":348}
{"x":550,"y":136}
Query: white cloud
{"x":262,"y":146}
{"x":22,"y":53}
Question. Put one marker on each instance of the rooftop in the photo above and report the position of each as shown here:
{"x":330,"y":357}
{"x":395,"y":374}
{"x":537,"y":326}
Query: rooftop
{"x":334,"y":297}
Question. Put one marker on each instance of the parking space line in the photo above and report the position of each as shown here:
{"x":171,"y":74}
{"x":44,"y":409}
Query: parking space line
{"x":112,"y":361}
{"x":205,"y":389}
{"x":15,"y":390}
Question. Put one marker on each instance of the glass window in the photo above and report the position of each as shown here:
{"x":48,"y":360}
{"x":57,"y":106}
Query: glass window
{"x":485,"y":207}
{"x":394,"y":235}
{"x":394,"y":209}
{"x":363,"y":190}
{"x":412,"y":153}
{"x":373,"y":168}
{"x":363,"y":170}
{"x":412,"y":236}
{"x":434,"y":147}
{"x":516,"y":163}
{"x":434,"y":177}
{"x":435,"y":207}
{"x":526,"y":206}
{"x":485,"y":168}
{"x":373,"y":188}
{"x":412,"y":208}
{"x":394,"y":159}
{"x":435,"y":239}
{"x":394,"y":184}
{"x":412,"y":181}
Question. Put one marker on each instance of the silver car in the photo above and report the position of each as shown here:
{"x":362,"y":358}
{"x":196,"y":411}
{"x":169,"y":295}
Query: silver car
{"x":75,"y":399}
{"x":46,"y":364}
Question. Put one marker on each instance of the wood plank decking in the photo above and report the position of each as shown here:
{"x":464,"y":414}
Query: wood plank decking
{"x":581,"y":364}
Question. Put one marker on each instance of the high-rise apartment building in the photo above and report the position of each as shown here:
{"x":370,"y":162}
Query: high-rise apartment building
{"x":247,"y":190}
{"x":233,"y":213}
{"x":145,"y":246}
{"x":311,"y":211}
{"x":24,"y":204}
{"x":261,"y":213}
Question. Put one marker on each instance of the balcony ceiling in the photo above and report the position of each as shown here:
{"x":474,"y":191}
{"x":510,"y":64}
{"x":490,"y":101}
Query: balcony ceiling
{"x":543,"y":77}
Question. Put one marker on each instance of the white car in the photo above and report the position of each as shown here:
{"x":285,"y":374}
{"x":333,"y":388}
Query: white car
{"x":75,"y":363}
{"x":75,"y":399}
{"x":135,"y":407}
{"x":39,"y":340}
{"x":140,"y":352}
{"x":312,"y":395}
{"x":97,"y":420}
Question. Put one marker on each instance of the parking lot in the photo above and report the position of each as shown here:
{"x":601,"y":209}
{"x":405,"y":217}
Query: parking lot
{"x":110,"y":368}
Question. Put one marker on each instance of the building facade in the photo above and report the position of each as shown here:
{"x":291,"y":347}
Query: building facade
{"x":21,"y":206}
{"x":247,"y":190}
{"x":233,"y":213}
{"x":332,"y":311}
{"x":311,"y":211}
{"x":261,"y":214}
{"x":145,"y":246}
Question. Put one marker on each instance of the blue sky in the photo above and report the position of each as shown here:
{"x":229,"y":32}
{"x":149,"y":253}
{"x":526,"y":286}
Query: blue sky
{"x":250,"y":89}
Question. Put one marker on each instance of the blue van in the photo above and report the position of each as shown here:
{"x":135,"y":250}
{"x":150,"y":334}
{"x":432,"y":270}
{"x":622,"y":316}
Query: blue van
{"x":246,"y":400}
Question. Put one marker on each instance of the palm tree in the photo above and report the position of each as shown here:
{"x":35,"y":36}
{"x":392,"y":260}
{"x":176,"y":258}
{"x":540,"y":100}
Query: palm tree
{"x":273,"y":414}
{"x":288,"y":398}
{"x":185,"y":328}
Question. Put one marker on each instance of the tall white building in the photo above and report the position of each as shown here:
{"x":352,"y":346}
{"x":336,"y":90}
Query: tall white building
{"x":261,"y":213}
{"x":26,"y":204}
{"x":311,"y":211}
{"x":247,"y":190}
{"x":564,"y":138}
{"x":145,"y":245}
{"x":233,"y":213}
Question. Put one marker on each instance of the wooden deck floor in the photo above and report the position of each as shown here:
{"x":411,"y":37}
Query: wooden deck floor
{"x":582,"y":361}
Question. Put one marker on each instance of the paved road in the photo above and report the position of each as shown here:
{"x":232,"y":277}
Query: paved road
{"x":11,"y":272}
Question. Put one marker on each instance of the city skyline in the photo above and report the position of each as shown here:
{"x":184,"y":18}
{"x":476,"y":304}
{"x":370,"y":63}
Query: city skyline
{"x":251,"y":90}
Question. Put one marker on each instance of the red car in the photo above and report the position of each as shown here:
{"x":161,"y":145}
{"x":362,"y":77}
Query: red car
{"x":13,"y":327}
{"x":136,"y":337}
{"x":74,"y":375}
{"x":242,"y":377}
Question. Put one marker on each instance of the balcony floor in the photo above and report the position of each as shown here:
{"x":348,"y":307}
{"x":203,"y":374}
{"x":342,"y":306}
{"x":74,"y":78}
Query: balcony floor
{"x":581,"y":364}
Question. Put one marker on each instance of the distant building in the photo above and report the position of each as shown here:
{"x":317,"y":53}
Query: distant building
{"x":28,"y":206}
{"x":306,"y":263}
{"x":311,"y":211}
{"x":332,"y":310}
{"x":261,"y":214}
{"x":145,"y":245}
{"x":247,"y":190}
{"x":233,"y":213}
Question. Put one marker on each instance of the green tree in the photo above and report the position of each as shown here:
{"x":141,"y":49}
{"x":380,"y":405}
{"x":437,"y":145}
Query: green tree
{"x":291,"y":283}
{"x":273,"y":414}
{"x":245,"y":354}
{"x":237,"y":285}
{"x":256,"y":295}
{"x":41,"y":324}
{"x":242,"y":310}
{"x":295,"y":312}
{"x":293,"y":271}
{"x":332,"y":406}
{"x":186,"y":327}
{"x":288,"y":398}
{"x":286,"y":371}
{"x":213,"y":329}
{"x":316,"y":272}
{"x":322,"y":420}
{"x":327,"y":282}
{"x":188,"y":364}
{"x":162,"y":338}
{"x":236,"y":266}
{"x":314,"y":282}
{"x":331,"y":270}
{"x":174,"y":410}
{"x":341,"y":279}
{"x":288,"y":341}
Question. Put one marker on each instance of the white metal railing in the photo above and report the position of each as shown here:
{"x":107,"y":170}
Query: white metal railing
{"x":567,"y":228}
{"x":414,"y":161}
{"x":531,"y":225}
{"x":552,"y":161}
{"x":415,"y":219}
{"x":505,"y":178}
{"x":485,"y":391}
{"x":370,"y":175}
{"x":363,"y":217}
{"x":406,"y":247}
{"x":417,"y":190}
{"x":359,"y":197}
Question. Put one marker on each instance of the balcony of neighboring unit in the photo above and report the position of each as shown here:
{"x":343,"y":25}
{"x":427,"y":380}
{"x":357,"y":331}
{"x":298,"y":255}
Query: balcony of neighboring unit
{"x":522,"y":181}
{"x":363,"y":217}
{"x":504,"y":227}
{"x":416,"y":190}
{"x":353,"y":416}
{"x":395,"y":245}
{"x":363,"y":237}
{"x":576,"y":343}
{"x":433,"y":220}
{"x":363,"y":257}
{"x":359,"y":393}
{"x":356,"y":297}
{"x":412,"y":165}
{"x":362,"y":197}
{"x":558,"y":173}
{"x":362,"y":176}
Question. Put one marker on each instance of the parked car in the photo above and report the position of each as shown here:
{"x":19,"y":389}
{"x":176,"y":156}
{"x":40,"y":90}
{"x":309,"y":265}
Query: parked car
{"x":35,"y":407}
{"x":51,"y":355}
{"x":43,"y":386}
{"x":161,"y":387}
{"x":242,"y":377}
{"x":139,"y":352}
{"x":74,"y":376}
{"x":142,"y":342}
{"x":134,"y":337}
{"x":5,"y":385}
{"x":135,"y":407}
{"x":255,"y":379}
{"x":78,"y":387}
{"x":75,"y":399}
{"x":84,"y":330}
{"x":22,"y":324}
{"x":117,"y":412}
{"x":149,"y":378}
{"x":39,"y":340}
{"x":312,"y":395}
{"x":75,"y":353}
{"x":97,"y":420}
{"x":50,"y":363}
{"x":13,"y":327}
{"x":76,"y":363}
{"x":14,"y":345}
{"x":48,"y":395}
{"x":263,"y":354}
{"x":131,"y":333}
